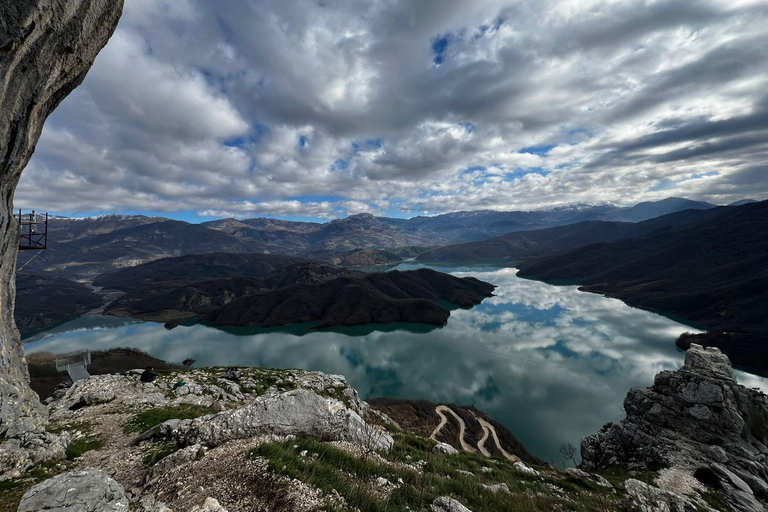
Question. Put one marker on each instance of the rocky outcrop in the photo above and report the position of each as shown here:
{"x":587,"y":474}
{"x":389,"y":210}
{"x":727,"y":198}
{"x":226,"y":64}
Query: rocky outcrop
{"x":90,"y":490}
{"x":298,"y":412}
{"x":697,"y":421}
{"x":642,"y":497}
{"x":445,"y":449}
{"x":446,"y":504}
{"x":46,"y":48}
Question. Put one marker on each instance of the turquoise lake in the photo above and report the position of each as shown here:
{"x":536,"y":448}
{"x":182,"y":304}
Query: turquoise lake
{"x":551,"y":363}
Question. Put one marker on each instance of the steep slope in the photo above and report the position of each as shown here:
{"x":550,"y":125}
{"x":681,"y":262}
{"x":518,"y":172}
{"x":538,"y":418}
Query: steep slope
{"x":43,"y":301}
{"x":175,"y":288}
{"x":713,"y":272}
{"x":410,"y":296}
{"x":196,"y":267}
{"x":513,"y":247}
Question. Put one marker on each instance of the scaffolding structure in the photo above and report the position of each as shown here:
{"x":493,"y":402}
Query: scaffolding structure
{"x":33,"y":231}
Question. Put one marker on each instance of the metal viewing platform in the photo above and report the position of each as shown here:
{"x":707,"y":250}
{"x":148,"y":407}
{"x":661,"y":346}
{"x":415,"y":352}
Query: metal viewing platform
{"x":74,"y":363}
{"x":33,"y":231}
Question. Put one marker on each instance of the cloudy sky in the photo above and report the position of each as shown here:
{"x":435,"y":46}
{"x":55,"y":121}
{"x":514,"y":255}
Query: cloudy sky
{"x":198,"y":109}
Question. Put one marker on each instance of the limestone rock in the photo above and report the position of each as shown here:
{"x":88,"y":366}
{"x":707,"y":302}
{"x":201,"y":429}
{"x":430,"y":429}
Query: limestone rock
{"x":296,"y":412}
{"x":177,"y":460}
{"x":90,"y":490}
{"x":48,"y":47}
{"x":593,"y":477}
{"x":444,"y":449}
{"x":20,"y":453}
{"x":210,"y":505}
{"x":502,"y":487}
{"x":521,"y":467}
{"x":446,"y":504}
{"x":698,"y":420}
{"x":646,"y":498}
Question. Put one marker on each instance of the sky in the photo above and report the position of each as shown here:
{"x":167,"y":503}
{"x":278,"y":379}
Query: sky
{"x":319,"y":110}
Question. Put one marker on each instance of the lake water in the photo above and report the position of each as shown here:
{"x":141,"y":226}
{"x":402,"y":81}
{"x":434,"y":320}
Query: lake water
{"x":551,"y":363}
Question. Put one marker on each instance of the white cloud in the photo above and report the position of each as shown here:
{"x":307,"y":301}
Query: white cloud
{"x":320,"y":109}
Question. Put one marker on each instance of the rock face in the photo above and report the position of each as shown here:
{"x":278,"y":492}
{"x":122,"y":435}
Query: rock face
{"x":91,"y":490}
{"x":297,"y":412}
{"x":642,"y":497}
{"x":697,"y":420}
{"x":46,"y":48}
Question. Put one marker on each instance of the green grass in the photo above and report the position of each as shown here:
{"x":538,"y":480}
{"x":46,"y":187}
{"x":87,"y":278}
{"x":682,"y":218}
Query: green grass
{"x":83,"y":426}
{"x":353,"y":478}
{"x":158,"y":451}
{"x":617,"y":474}
{"x":85,"y":444}
{"x":145,"y":420}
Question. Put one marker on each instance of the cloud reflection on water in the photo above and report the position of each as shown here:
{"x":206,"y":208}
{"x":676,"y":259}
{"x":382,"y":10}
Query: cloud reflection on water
{"x":550,"y":362}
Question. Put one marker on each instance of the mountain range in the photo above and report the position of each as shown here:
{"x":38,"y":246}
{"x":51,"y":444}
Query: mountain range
{"x":85,"y":248}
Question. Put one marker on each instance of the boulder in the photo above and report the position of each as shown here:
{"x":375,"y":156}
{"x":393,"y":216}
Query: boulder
{"x":297,"y":412}
{"x":444,"y":449}
{"x":22,"y":452}
{"x":502,"y":487}
{"x":90,"y":490}
{"x":593,"y":477}
{"x":521,"y":467}
{"x":210,"y":505}
{"x":446,"y":504}
{"x":697,"y":420}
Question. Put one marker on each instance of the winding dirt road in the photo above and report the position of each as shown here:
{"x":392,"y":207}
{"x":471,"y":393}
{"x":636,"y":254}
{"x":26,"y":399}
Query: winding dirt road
{"x":440,"y":410}
{"x":488,"y":431}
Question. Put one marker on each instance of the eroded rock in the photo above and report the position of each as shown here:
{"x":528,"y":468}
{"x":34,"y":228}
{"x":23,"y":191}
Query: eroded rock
{"x":90,"y":490}
{"x":298,"y":412}
{"x":697,"y":420}
{"x":444,"y":449}
{"x":446,"y":504}
{"x":642,"y":497}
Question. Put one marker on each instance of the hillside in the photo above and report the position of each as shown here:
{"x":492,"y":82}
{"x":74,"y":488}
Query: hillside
{"x":301,"y":441}
{"x":713,"y":272}
{"x":410,"y":296}
{"x":88,"y":256}
{"x":44,"y":301}
{"x":513,"y":247}
{"x":196,"y":267}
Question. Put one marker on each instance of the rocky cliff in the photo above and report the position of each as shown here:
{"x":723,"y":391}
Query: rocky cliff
{"x":46,"y":48}
{"x":698,"y":428}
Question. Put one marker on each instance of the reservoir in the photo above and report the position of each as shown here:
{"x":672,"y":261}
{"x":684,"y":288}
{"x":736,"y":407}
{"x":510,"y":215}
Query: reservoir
{"x":551,"y":363}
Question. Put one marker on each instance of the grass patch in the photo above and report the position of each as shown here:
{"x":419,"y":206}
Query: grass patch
{"x":145,"y":420}
{"x":328,"y":467}
{"x":83,"y":426}
{"x":85,"y":444}
{"x":158,"y":451}
{"x":617,"y":475}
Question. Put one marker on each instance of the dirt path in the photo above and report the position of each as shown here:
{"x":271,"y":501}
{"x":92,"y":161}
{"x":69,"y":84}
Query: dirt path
{"x":481,"y":442}
{"x":490,"y":429}
{"x":440,"y":410}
